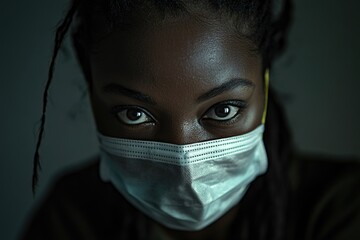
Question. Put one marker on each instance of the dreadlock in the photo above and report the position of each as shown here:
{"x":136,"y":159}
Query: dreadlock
{"x":258,"y":21}
{"x":59,"y":37}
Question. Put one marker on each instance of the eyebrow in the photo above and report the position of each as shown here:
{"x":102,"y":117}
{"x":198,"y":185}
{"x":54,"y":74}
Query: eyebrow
{"x":118,"y":89}
{"x":233,"y":83}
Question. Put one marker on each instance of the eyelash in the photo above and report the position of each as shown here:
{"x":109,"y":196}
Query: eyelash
{"x":241,"y":105}
{"x":118,"y":109}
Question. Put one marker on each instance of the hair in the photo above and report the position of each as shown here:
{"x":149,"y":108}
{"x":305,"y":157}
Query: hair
{"x":264,"y":22}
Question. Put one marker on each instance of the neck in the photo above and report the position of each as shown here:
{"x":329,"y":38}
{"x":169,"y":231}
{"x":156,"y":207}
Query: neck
{"x":217,"y":230}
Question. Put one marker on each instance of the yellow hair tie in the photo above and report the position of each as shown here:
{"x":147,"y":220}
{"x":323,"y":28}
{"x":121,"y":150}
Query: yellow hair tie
{"x":266,"y":88}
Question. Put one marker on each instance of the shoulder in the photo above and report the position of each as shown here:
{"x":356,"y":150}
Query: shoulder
{"x":78,"y":205}
{"x":326,"y":197}
{"x":80,"y":182}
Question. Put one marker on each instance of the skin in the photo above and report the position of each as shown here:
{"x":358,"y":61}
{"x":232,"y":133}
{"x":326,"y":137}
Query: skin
{"x":172,"y":66}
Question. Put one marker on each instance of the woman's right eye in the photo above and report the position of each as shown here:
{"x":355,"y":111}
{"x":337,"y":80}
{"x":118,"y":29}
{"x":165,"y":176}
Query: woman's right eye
{"x":132,"y":115}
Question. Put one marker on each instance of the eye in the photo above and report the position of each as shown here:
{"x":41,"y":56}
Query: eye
{"x":132,"y":115}
{"x":225,"y":111}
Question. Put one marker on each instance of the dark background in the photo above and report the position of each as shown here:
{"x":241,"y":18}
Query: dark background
{"x":317,"y":78}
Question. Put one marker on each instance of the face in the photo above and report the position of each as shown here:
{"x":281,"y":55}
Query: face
{"x":179,"y":81}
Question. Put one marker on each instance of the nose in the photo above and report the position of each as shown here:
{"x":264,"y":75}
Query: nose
{"x":181,"y":133}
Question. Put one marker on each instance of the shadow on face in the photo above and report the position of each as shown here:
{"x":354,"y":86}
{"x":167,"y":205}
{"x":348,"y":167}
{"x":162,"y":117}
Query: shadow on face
{"x":179,"y":81}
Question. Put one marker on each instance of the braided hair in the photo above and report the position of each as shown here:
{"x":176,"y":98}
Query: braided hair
{"x":264,"y":22}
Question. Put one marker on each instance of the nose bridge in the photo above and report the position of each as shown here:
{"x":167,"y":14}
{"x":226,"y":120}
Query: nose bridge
{"x":181,"y":132}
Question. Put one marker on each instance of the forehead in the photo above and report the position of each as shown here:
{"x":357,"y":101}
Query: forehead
{"x":182,"y":52}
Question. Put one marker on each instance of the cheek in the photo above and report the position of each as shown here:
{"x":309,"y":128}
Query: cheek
{"x":252,"y":116}
{"x":106,"y":122}
{"x":101,"y":115}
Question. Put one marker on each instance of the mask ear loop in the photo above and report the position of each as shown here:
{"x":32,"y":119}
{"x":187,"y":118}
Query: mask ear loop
{"x":266,"y":88}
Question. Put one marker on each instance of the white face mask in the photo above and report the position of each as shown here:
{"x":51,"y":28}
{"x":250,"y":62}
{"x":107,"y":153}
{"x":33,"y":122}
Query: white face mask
{"x":184,"y":187}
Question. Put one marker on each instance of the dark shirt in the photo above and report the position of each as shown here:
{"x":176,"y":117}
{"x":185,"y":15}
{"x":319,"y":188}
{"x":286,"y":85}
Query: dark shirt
{"x":324,"y":205}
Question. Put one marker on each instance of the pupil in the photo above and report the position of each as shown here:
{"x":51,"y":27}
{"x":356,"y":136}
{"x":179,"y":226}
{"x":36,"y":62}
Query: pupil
{"x":222,"y":111}
{"x":133,"y":114}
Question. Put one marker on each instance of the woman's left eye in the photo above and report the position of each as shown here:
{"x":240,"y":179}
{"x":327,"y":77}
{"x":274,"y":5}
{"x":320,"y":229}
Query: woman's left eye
{"x":222,"y":112}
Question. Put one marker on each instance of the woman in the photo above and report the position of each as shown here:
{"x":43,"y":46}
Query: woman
{"x":179,"y":92}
